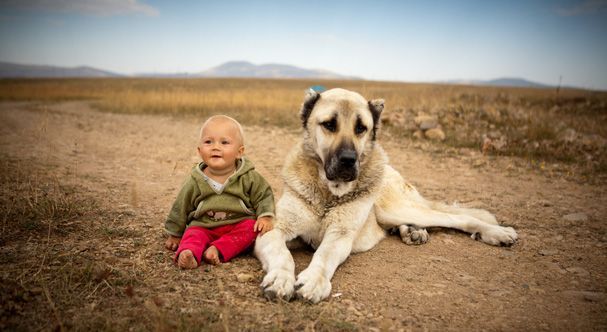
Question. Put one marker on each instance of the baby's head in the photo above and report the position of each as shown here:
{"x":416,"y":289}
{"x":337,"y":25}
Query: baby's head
{"x":221,"y":142}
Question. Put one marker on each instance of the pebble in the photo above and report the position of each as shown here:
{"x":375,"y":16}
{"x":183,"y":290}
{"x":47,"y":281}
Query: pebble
{"x":425,"y":122}
{"x":576,"y":217}
{"x":435,"y":134}
{"x":548,"y":252}
{"x":479,"y":163}
{"x":245,"y":277}
{"x":555,"y":268}
{"x":354,"y":311}
{"x":580,"y":271}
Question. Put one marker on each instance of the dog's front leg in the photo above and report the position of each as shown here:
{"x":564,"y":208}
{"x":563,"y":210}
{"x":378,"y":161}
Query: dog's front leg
{"x":314,"y":283}
{"x":276,"y":260}
{"x":343,"y":225}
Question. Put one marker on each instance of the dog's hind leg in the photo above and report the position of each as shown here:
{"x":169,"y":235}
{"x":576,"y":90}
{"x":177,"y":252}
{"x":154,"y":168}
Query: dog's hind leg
{"x":411,"y":234}
{"x":399,"y":204}
{"x":480,"y":214}
{"x":424,"y":217}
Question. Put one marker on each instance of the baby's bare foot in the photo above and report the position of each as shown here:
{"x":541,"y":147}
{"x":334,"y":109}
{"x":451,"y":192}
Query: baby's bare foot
{"x":211,"y":256}
{"x":186,"y":260}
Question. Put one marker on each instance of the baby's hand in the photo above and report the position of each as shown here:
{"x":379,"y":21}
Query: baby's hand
{"x":172,"y":242}
{"x":263,"y":225}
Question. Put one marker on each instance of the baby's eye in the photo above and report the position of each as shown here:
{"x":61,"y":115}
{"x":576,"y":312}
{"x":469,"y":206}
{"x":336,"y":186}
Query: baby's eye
{"x":207,"y":141}
{"x":225,"y":142}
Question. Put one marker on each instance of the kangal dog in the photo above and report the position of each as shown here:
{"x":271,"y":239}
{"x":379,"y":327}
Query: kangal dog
{"x":341,"y":196}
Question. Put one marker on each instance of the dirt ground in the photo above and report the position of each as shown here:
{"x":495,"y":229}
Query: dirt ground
{"x":109,"y":270}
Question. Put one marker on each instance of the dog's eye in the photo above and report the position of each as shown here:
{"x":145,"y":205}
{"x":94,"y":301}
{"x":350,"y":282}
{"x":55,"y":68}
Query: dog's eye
{"x":330,"y":125}
{"x":359,"y":128}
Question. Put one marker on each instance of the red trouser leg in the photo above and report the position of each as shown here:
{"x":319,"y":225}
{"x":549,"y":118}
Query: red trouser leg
{"x":235,"y":239}
{"x":196,"y":239}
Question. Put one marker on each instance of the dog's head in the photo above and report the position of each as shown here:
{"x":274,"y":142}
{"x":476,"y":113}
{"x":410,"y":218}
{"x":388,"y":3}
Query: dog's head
{"x":340,"y":128}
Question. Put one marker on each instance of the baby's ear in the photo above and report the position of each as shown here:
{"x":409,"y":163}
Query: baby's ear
{"x":241,"y":151}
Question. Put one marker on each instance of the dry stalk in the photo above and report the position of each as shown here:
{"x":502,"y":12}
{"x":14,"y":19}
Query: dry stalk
{"x":53,"y":307}
{"x":48,"y":241}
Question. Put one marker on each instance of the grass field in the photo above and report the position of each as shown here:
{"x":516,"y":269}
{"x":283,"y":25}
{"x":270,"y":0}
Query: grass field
{"x":541,"y":125}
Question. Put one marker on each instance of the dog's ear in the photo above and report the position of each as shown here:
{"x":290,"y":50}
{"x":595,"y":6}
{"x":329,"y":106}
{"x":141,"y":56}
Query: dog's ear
{"x":376,"y":106}
{"x":306,"y":108}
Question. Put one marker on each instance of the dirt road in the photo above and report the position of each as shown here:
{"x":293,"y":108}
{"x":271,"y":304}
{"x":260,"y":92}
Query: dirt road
{"x":554,"y":278}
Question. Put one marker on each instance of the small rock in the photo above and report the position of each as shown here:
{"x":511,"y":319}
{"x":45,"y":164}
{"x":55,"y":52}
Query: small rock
{"x":418,"y":134}
{"x":435,"y":134}
{"x":425,"y":122}
{"x":488,"y":144}
{"x":568,"y":135}
{"x":555,"y":267}
{"x":576,"y":217}
{"x":548,"y":252}
{"x":494,"y":134}
{"x":354,"y":311}
{"x":479,"y":163}
{"x":580,"y":271}
{"x":395,"y":119}
{"x":544,"y":202}
{"x":245,"y":277}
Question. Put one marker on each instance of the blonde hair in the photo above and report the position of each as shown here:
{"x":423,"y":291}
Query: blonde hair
{"x":223,"y":117}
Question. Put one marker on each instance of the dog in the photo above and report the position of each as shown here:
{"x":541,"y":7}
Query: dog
{"x":341,"y":196}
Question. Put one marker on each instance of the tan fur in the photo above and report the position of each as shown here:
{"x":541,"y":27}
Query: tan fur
{"x":339,"y":217}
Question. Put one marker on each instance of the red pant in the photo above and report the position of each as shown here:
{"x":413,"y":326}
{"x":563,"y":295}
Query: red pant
{"x":230,"y":240}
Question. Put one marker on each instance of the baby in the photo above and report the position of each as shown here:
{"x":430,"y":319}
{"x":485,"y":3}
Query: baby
{"x":223,"y":204}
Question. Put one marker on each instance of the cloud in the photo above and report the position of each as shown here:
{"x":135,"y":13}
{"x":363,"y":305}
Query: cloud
{"x":86,"y":7}
{"x":583,"y":8}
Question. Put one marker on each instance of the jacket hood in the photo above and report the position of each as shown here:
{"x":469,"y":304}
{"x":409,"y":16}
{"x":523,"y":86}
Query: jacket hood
{"x":243,"y":166}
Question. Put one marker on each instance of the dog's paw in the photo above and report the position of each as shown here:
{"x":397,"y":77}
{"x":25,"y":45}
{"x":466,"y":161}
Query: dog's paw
{"x":497,"y":235}
{"x":312,"y":285}
{"x":413,"y":235}
{"x":278,"y":284}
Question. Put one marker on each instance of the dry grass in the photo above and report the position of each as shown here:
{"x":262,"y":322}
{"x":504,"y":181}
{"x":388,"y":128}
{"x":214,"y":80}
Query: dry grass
{"x":68,"y":263}
{"x":538,"y":124}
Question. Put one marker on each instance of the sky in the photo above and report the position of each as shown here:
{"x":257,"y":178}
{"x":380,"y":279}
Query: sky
{"x":413,"y":41}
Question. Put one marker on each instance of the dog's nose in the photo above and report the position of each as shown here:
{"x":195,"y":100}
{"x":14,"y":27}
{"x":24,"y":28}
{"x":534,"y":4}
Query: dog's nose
{"x":347,"y":158}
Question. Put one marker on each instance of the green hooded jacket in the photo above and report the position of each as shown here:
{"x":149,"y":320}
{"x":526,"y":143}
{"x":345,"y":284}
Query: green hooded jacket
{"x":246,"y":195}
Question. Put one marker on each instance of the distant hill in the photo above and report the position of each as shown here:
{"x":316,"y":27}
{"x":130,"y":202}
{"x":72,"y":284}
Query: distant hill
{"x":504,"y":82}
{"x":247,"y":69}
{"x":14,"y":70}
{"x":236,"y":69}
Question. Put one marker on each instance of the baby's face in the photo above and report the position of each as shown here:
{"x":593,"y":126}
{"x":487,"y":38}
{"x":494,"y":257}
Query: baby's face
{"x":220,"y":145}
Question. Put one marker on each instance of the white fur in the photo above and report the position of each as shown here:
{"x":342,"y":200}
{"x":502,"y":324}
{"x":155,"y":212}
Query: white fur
{"x":339,"y":218}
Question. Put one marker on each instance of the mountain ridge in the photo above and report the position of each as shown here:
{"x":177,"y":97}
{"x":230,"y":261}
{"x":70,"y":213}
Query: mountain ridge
{"x":503,"y":82}
{"x":15,"y":70}
{"x":269,"y":70}
{"x":230,"y":69}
